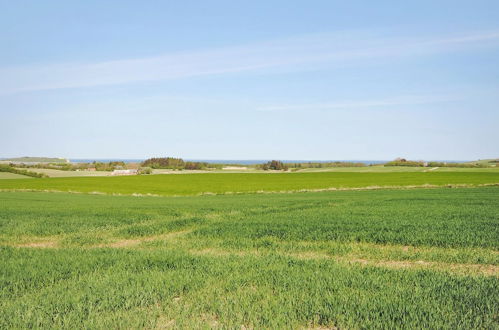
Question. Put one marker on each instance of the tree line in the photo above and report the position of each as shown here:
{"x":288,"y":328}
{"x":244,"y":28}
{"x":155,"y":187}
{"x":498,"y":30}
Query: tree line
{"x":10,"y":169}
{"x":173,"y":164}
{"x":98,"y":166}
{"x":420,"y":163}
{"x":278,"y":165}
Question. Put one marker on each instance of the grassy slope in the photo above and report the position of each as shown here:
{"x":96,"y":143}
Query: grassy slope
{"x":36,"y":160}
{"x":485,"y":161}
{"x":193,"y":184}
{"x":407,"y":258}
{"x":8,"y":175}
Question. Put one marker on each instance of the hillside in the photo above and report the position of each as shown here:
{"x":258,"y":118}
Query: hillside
{"x":8,"y":175}
{"x":489,"y":162}
{"x":35,"y":160}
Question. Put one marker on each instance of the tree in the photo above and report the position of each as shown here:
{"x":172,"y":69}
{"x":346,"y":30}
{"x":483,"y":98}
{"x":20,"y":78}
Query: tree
{"x":276,"y":165}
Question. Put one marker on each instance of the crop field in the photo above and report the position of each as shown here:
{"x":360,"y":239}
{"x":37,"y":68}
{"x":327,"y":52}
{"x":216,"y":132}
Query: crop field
{"x":53,"y":173}
{"x":7,"y":175}
{"x":405,"y":258}
{"x":60,"y":173}
{"x":222,"y":183}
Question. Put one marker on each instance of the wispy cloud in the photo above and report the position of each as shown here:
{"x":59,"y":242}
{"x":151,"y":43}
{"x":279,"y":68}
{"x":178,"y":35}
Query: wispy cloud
{"x":292,"y":54}
{"x":406,"y":100}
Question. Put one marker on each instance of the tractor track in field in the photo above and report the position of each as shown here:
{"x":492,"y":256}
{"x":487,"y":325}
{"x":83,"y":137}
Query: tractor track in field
{"x":455,"y":268}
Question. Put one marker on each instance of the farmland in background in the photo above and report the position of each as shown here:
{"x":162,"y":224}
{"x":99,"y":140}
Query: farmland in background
{"x":221,"y":183}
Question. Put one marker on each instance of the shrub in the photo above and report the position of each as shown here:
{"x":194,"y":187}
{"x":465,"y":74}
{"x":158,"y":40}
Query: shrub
{"x":274,"y":165}
{"x":10,"y":169}
{"x":145,"y":170}
{"x":404,"y":162}
{"x":173,"y":163}
{"x":324,"y":164}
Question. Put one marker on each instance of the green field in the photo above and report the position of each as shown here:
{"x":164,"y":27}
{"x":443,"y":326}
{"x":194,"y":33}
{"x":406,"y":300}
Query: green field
{"x":61,"y":174}
{"x":53,"y":173}
{"x":8,"y":175}
{"x":220,"y":183}
{"x":421,"y":258}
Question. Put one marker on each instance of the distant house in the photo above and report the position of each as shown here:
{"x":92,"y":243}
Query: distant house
{"x":91,"y":169}
{"x":125,"y":172}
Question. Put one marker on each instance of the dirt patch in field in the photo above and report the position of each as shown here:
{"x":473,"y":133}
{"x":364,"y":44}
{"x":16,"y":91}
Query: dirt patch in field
{"x":39,"y":245}
{"x":489,"y":270}
{"x":483,"y":269}
{"x":123,"y":243}
{"x":309,"y":255}
{"x":165,"y":323}
{"x":137,"y":241}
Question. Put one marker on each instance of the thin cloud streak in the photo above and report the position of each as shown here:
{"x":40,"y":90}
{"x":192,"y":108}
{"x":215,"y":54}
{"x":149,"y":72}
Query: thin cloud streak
{"x":409,"y":100}
{"x":291,"y":54}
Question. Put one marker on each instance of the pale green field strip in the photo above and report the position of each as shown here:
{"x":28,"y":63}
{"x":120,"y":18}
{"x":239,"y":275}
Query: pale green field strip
{"x":7,"y":175}
{"x":227,"y":183}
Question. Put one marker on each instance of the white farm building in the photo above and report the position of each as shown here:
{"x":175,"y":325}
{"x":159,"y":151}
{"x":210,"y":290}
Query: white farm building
{"x":124,"y":172}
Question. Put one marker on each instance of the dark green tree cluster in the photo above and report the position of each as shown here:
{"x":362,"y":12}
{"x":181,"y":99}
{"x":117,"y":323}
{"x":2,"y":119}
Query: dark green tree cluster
{"x":324,"y":164}
{"x":99,"y":166}
{"x":53,"y":166}
{"x":111,"y":166}
{"x":195,"y":165}
{"x":403,"y":162}
{"x":276,"y":165}
{"x":145,"y":170}
{"x":164,"y":162}
{"x":173,"y":163}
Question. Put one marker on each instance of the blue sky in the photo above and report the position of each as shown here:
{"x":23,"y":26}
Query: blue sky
{"x":250,"y":80}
